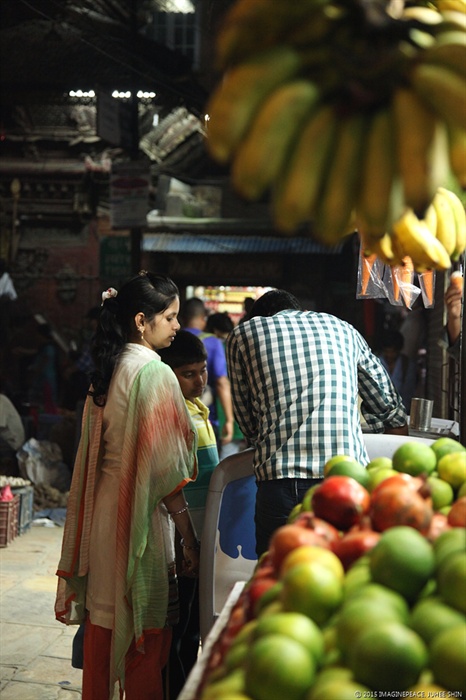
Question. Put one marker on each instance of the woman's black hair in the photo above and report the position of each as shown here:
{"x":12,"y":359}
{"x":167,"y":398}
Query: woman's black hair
{"x":146,"y":293}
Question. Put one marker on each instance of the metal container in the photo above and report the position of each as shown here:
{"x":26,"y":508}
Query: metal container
{"x":420,"y":417}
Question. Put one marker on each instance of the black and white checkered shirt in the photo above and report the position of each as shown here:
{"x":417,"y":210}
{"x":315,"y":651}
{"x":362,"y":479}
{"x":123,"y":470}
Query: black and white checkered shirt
{"x":295,"y":380}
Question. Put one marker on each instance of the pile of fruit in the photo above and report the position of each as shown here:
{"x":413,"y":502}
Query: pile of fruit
{"x":362,"y":592}
{"x":347,"y":113}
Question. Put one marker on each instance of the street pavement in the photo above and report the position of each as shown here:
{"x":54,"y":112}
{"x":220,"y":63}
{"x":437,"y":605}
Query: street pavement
{"x":35,"y":649}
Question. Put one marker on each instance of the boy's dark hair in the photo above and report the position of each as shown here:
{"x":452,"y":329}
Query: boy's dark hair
{"x":184,"y":350}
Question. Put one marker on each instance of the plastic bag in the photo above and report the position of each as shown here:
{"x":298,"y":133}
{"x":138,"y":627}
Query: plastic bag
{"x":41,"y":462}
{"x":370,"y":277}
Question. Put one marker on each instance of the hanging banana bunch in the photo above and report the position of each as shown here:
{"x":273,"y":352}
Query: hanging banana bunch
{"x":348,"y":113}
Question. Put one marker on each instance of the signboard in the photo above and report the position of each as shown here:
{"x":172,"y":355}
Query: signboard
{"x":115,"y":258}
{"x":129,"y":195}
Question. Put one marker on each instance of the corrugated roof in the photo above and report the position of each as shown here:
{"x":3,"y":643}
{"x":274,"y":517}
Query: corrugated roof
{"x":209,"y":243}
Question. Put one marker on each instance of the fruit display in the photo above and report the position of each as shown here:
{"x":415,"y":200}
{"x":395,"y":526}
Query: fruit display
{"x":366,"y":603}
{"x":348,"y":116}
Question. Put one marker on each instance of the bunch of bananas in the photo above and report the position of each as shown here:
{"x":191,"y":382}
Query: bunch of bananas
{"x":346,"y":113}
{"x":431,"y":242}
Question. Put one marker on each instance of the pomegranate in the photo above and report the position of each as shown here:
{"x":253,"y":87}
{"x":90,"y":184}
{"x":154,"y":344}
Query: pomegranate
{"x":287,"y":537}
{"x":438,"y":524}
{"x":399,"y":504}
{"x":457,"y":514}
{"x":320,"y":526}
{"x":354,"y":544}
{"x":340,"y":500}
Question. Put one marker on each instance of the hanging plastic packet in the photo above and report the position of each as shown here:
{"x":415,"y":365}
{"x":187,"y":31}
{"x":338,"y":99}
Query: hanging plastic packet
{"x":427,"y":284}
{"x":401,"y":289}
{"x":370,"y":276}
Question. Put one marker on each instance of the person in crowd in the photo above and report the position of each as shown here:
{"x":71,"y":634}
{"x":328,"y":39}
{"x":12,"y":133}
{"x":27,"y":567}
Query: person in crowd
{"x":248,"y":303}
{"x":12,"y":434}
{"x":295,"y":378}
{"x":220,"y":324}
{"x":44,"y":371}
{"x":136,"y":453}
{"x":453,"y":303}
{"x":194,"y":318}
{"x":84,"y":362}
{"x":187,"y":357}
{"x":397,"y":365}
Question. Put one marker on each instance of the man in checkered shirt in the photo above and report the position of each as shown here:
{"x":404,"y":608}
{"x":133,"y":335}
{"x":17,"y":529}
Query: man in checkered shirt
{"x":296,"y":377}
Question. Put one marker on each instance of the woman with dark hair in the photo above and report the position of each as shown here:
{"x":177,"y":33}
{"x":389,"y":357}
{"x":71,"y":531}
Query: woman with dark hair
{"x":137,"y":451}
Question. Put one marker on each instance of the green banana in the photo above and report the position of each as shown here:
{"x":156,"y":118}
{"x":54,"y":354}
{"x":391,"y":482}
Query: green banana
{"x":460,"y":222}
{"x":295,"y":194}
{"x":421,"y":149}
{"x":442,"y":89}
{"x":378,"y":170}
{"x":449,"y":50}
{"x":412,"y":237}
{"x":262,"y":154}
{"x":446,"y":224}
{"x":457,"y":153}
{"x":340,"y":187}
{"x":234,"y":103}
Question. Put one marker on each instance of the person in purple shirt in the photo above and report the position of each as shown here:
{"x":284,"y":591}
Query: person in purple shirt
{"x":194,"y":318}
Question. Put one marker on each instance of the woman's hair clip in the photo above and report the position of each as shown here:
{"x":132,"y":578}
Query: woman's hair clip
{"x":142,"y":273}
{"x":108,"y":294}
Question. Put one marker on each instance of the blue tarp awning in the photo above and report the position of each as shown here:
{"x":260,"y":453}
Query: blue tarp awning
{"x":210,"y":243}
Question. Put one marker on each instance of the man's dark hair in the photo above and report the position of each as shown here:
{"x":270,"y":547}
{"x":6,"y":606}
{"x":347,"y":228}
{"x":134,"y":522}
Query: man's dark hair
{"x":274,"y":301}
{"x":219,"y":322}
{"x":192,"y":308}
{"x":184,"y":350}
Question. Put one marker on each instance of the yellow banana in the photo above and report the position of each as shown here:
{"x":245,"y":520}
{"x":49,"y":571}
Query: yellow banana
{"x":421,"y":149}
{"x":457,"y":153}
{"x":414,"y":239}
{"x":263,"y":152}
{"x":451,"y":5}
{"x":442,"y":89}
{"x":446,"y":224}
{"x":453,"y":19}
{"x":430,"y":219}
{"x":340,"y":187}
{"x":383,"y":247}
{"x":234,"y":103}
{"x":449,"y":50}
{"x":250,"y":26}
{"x":295,"y":194}
{"x":378,"y":170}
{"x":426,"y":15}
{"x":460,"y":221}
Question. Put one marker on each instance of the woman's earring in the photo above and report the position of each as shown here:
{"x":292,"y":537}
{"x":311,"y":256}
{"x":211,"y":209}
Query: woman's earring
{"x":142,"y":333}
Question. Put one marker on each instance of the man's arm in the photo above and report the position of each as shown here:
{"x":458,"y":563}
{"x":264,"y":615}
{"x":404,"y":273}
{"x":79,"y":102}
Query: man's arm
{"x":382,"y":405}
{"x":223,"y":388}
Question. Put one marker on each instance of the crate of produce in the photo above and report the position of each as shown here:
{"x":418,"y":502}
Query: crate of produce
{"x":26,"y":507}
{"x":9,"y":514}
